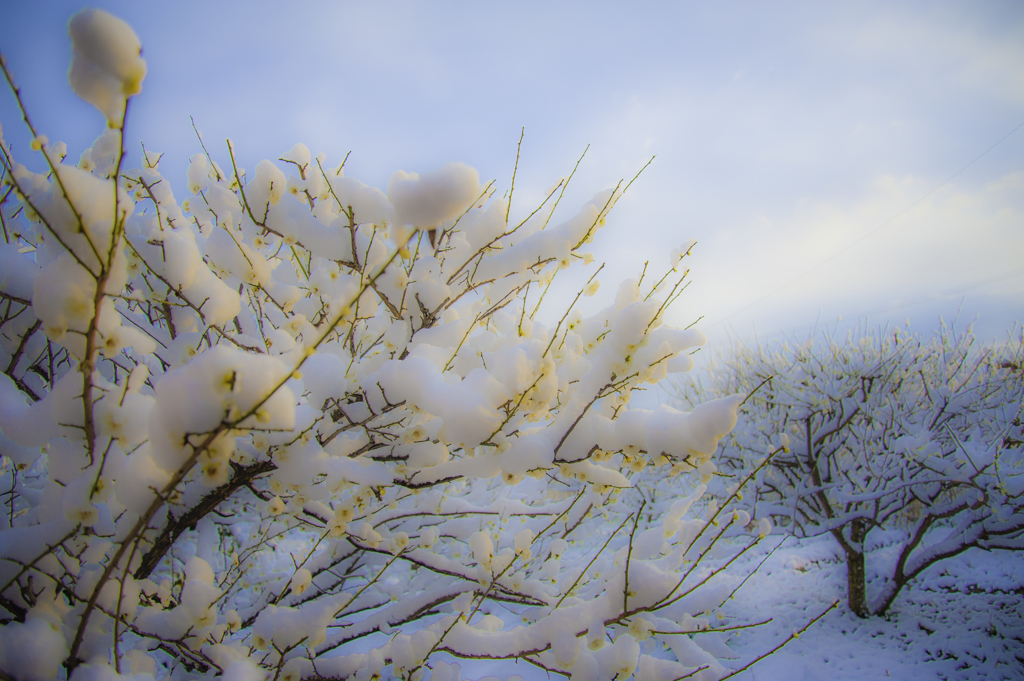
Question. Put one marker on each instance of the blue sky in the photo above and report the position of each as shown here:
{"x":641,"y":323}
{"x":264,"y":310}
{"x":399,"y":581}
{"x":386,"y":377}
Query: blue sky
{"x":806,"y":146}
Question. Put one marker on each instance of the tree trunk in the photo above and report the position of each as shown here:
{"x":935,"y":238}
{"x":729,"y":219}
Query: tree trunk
{"x":855,"y":574}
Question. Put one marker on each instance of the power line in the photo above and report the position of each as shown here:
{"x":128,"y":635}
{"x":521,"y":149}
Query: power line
{"x":867,"y":234}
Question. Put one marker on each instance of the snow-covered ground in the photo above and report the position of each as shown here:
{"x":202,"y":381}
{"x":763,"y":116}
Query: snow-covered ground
{"x":961,"y":619}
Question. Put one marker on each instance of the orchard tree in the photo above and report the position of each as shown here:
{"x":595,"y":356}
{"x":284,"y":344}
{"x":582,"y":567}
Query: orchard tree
{"x":914,"y":442}
{"x":297,"y":427}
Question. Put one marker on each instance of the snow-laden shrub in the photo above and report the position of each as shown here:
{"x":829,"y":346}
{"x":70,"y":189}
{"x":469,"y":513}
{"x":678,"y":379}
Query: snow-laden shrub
{"x":886,"y":438}
{"x":296,"y":427}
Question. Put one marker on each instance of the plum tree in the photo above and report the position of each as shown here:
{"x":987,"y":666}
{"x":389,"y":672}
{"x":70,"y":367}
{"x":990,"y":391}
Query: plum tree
{"x":297,"y":427}
{"x":886,"y":435}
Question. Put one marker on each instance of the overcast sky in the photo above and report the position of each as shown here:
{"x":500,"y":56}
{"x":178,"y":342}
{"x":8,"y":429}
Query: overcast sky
{"x":821,"y":152}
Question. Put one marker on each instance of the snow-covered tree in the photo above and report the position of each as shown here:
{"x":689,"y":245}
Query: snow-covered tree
{"x":297,"y":427}
{"x":888,"y":438}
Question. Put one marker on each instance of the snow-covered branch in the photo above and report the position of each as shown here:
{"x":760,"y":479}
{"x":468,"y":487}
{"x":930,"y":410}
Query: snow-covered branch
{"x":296,"y":426}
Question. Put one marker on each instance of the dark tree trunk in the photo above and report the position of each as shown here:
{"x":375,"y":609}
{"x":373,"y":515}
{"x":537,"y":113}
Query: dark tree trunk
{"x":855,"y":573}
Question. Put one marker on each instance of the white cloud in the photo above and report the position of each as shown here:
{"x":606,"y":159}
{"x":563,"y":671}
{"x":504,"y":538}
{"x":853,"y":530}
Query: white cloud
{"x":868,"y":256}
{"x":975,"y":54}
